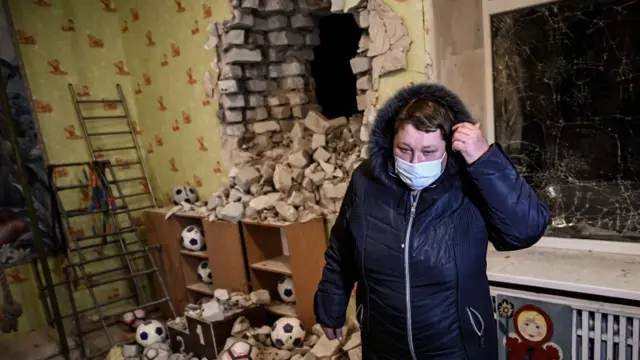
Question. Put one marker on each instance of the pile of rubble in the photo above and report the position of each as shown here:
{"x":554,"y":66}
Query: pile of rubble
{"x":283,"y":171}
{"x":290,"y":177}
{"x":316,"y":344}
{"x":222,"y":305}
{"x":293,"y":176}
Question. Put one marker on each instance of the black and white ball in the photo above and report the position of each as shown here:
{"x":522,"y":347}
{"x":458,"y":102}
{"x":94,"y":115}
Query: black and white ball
{"x":150,"y":332}
{"x":184,"y":193}
{"x":204,"y":273}
{"x":240,"y":350}
{"x":192,"y":238}
{"x":133,"y":319}
{"x":285,"y":289}
{"x":287,"y":333}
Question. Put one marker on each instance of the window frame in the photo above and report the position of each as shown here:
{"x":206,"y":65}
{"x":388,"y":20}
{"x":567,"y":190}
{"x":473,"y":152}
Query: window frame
{"x":494,"y":7}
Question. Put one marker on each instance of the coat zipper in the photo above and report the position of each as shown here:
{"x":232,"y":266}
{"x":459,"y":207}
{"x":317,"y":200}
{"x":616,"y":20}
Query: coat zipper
{"x":407,"y":281}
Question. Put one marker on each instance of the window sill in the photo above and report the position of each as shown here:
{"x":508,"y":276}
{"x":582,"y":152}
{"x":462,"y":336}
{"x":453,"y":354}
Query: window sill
{"x":588,"y":272}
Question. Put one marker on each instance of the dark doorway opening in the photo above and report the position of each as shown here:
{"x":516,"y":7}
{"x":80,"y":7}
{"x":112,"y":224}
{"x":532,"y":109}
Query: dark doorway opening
{"x":335,"y":83}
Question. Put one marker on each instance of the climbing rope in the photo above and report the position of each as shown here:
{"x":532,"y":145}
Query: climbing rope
{"x":11,"y":310}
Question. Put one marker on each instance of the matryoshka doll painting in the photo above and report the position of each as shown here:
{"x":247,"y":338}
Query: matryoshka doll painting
{"x":532,"y":337}
{"x":533,"y":330}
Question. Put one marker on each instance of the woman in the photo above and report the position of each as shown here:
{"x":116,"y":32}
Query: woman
{"x":413,"y":232}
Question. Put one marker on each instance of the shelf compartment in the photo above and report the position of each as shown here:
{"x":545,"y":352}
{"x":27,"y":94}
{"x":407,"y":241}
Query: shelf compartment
{"x":197,"y":254}
{"x":278,"y":265}
{"x":201,"y":288}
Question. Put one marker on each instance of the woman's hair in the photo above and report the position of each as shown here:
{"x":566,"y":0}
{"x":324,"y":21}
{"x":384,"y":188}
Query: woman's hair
{"x":426,"y":116}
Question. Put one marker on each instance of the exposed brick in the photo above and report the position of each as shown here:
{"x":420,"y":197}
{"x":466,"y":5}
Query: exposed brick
{"x":260,"y":24}
{"x":230,"y":71}
{"x":233,"y":37}
{"x":255,"y":85}
{"x":300,"y":54}
{"x":255,"y":71}
{"x":276,"y":100}
{"x":243,"y":56}
{"x":255,"y":100}
{"x":285,"y":38}
{"x":291,"y":83}
{"x":277,"y":22}
{"x":300,"y":21}
{"x":280,"y":112}
{"x":233,"y":116}
{"x":312,"y":39}
{"x":297,"y":98}
{"x":232,"y":101}
{"x":240,"y":20}
{"x":256,"y":114}
{"x":278,"y":5}
{"x":276,"y":54}
{"x":250,"y":4}
{"x":228,"y":86}
{"x":255,"y":38}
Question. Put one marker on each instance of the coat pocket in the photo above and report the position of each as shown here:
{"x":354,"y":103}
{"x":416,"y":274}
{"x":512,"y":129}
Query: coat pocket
{"x":477,"y":323}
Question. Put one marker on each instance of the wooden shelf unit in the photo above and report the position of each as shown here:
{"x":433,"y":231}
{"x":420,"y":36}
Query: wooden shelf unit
{"x":224,"y":250}
{"x":306,"y":243}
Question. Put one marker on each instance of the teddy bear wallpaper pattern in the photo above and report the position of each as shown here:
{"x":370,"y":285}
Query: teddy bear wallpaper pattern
{"x":154,"y":49}
{"x":164,"y":43}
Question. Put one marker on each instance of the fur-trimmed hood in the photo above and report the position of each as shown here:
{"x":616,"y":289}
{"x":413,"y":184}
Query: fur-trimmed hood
{"x":381,"y":157}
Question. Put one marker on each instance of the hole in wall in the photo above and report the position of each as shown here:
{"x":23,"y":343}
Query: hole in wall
{"x":335,"y":83}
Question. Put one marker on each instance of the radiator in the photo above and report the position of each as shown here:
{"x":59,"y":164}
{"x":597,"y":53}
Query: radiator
{"x":604,"y":336}
{"x":599,"y":330}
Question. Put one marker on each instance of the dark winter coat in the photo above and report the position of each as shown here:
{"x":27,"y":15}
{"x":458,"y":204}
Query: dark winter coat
{"x":420,"y":266}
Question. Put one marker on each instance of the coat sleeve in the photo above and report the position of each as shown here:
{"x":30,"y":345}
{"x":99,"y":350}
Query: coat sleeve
{"x":516,"y":218}
{"x":339,"y":273}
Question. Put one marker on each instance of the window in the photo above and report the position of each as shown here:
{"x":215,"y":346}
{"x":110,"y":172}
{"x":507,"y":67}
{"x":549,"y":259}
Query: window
{"x":566,"y":104}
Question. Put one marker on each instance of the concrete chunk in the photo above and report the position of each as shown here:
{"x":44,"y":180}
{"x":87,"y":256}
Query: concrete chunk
{"x":232,"y":212}
{"x":288,"y":212}
{"x":316,"y":122}
{"x":321,"y":154}
{"x":282,"y":178}
{"x":230,"y":72}
{"x":360,"y":64}
{"x":299,"y":159}
{"x":265,"y":126}
{"x":246,"y":177}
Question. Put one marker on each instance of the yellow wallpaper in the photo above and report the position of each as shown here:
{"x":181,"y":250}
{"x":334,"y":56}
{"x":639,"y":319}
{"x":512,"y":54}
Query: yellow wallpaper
{"x":164,"y":42}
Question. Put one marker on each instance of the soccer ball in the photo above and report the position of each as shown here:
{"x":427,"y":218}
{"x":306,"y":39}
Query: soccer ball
{"x":150,"y":332}
{"x":287,"y":333}
{"x":204,"y":273}
{"x":133,"y":319}
{"x":184,"y":193}
{"x":240,"y":350}
{"x":192,"y":238}
{"x":285,"y":289}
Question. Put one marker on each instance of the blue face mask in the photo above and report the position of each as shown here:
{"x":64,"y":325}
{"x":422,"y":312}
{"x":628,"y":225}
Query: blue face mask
{"x":419,"y":176}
